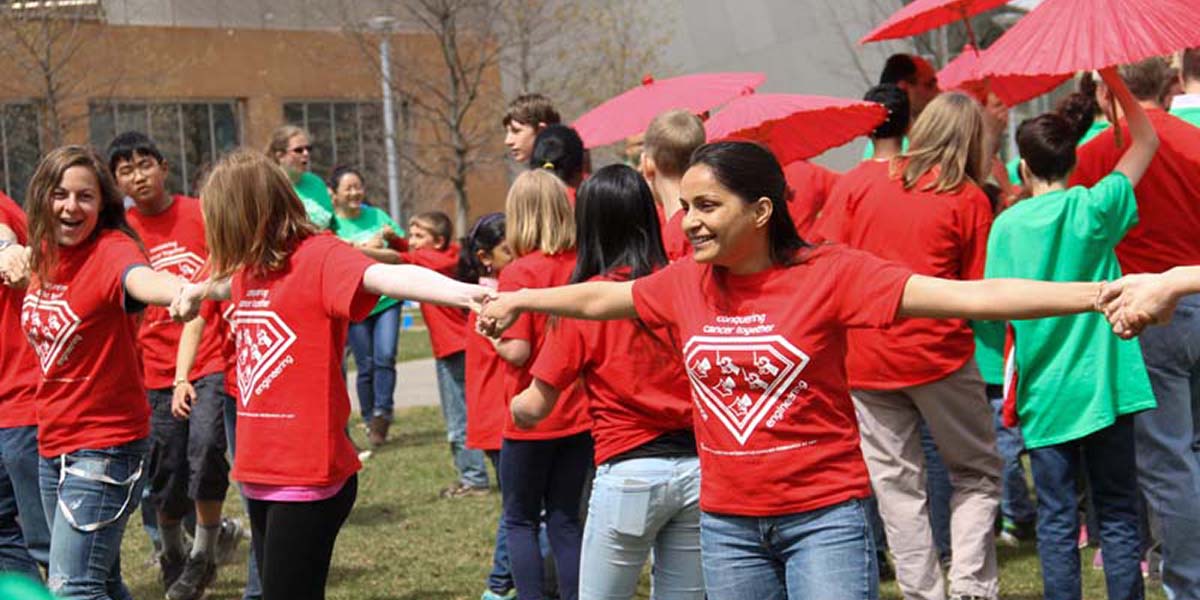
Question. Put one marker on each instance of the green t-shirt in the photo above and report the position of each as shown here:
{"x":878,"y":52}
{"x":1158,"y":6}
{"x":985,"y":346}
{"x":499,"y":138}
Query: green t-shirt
{"x":315,"y":196}
{"x":370,"y":220}
{"x":19,"y":587}
{"x":1075,"y":376}
{"x":1098,"y":126}
{"x":1190,"y":114}
{"x":989,"y":350}
{"x":869,"y":151}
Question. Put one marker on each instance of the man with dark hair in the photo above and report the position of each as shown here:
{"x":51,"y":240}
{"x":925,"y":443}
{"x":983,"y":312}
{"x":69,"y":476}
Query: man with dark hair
{"x":1164,"y":237}
{"x":915,"y":76}
{"x":187,"y":467}
{"x":1186,"y":106}
{"x":527,"y":115}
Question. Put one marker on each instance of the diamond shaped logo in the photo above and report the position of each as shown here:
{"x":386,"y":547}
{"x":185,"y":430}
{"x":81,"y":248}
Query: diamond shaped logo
{"x":176,"y":259}
{"x":262,"y":340}
{"x":49,"y":325}
{"x":741,"y":379}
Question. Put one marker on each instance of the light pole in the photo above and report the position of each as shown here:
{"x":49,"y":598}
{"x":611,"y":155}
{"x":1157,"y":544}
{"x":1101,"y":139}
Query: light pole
{"x":383,"y":25}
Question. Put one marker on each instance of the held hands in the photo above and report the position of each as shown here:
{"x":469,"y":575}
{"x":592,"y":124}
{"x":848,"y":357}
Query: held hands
{"x":14,"y":265}
{"x":187,"y":302}
{"x":498,"y":313}
{"x":1134,"y":302}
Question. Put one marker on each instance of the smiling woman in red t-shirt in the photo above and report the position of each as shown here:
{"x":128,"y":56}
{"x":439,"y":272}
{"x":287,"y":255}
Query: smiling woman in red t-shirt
{"x":761,"y":320}
{"x":647,"y":487}
{"x":88,"y":274}
{"x":295,"y":293}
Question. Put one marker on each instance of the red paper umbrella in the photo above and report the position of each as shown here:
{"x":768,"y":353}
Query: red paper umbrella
{"x":923,"y":15}
{"x":795,"y":127}
{"x":963,"y":73}
{"x":1065,"y":36}
{"x":630,"y":113}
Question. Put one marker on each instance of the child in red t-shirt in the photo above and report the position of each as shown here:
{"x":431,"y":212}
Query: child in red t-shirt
{"x":484,"y":256}
{"x":544,"y":467}
{"x":87,"y":273}
{"x":295,"y":293}
{"x":760,"y":318}
{"x":429,"y":244}
{"x":647,"y":487}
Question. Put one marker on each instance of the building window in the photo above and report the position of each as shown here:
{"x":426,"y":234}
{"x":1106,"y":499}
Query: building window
{"x":20,"y":147}
{"x":345,"y":134}
{"x":191,"y":135}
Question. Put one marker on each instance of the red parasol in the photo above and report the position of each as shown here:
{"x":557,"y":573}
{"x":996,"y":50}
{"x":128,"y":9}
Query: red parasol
{"x":963,"y":73}
{"x":795,"y":126}
{"x":631,"y":112}
{"x":1060,"y":37}
{"x":923,"y":15}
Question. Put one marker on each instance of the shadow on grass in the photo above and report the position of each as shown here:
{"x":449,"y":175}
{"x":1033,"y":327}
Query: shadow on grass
{"x":421,"y":595}
{"x":370,"y":515}
{"x":344,"y":574}
{"x":410,"y":439}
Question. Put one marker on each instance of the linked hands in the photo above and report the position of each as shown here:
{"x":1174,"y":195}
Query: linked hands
{"x":497,"y":313}
{"x":186,"y":304}
{"x":14,"y":265}
{"x":1134,"y":302}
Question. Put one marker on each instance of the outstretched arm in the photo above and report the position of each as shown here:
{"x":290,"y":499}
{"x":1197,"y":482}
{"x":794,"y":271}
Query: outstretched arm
{"x":1137,"y":159}
{"x":148,"y":286}
{"x":186,"y":304}
{"x":593,"y":300}
{"x":995,"y":299}
{"x":410,"y":282}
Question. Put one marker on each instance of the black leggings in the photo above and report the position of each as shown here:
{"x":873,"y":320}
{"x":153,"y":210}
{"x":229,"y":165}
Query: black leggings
{"x":293,"y":542}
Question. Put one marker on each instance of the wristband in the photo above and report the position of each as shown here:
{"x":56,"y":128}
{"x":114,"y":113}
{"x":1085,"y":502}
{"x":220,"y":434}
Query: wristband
{"x":178,"y":382}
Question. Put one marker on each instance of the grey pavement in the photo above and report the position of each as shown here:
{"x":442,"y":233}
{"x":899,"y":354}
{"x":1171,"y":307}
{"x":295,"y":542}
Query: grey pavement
{"x":416,"y":385}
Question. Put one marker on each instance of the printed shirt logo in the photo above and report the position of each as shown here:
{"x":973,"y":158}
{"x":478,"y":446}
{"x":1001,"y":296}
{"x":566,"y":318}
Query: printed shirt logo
{"x":50,"y":325}
{"x":176,"y":259}
{"x":741,"y":379}
{"x":262,"y":340}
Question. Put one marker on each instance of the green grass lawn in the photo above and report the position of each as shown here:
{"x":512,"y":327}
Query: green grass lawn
{"x":404,"y":542}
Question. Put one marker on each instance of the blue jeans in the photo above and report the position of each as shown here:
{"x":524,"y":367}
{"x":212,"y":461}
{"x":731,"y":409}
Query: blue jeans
{"x":24,"y":533}
{"x":253,"y":589}
{"x":639,"y":505}
{"x":89,"y":495}
{"x":938,"y":490}
{"x":373,"y":341}
{"x":537,"y":475}
{"x":1107,"y":459}
{"x":1168,"y":446}
{"x":451,"y":377}
{"x":825,"y":553}
{"x":1015,"y":503}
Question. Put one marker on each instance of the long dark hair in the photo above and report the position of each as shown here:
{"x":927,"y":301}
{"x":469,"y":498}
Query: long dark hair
{"x":487,"y":233}
{"x":751,"y":172}
{"x":616,"y":225}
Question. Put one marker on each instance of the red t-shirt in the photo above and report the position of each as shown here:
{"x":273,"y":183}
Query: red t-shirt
{"x":487,"y":404}
{"x":810,"y":185}
{"x":91,"y":393}
{"x":940,"y":235}
{"x":18,"y":362}
{"x":765,"y":354}
{"x":174,"y":239}
{"x":675,"y":241}
{"x":1168,"y":196}
{"x":291,"y":336}
{"x":223,"y":314}
{"x":447,"y":325}
{"x":635,"y":383}
{"x":569,"y":417}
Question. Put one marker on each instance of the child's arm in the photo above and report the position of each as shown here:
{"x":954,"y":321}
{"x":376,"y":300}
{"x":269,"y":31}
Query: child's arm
{"x":1137,"y":159}
{"x":995,"y":299}
{"x":184,"y":394}
{"x":1135,"y":301}
{"x":408,"y":282}
{"x":534,"y":404}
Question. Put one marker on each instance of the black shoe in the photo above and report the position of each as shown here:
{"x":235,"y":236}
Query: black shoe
{"x":170,"y":567}
{"x":198,"y":573}
{"x":227,"y":541}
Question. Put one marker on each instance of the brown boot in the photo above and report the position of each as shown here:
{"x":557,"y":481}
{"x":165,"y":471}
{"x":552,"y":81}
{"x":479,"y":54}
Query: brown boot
{"x":378,"y":430}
